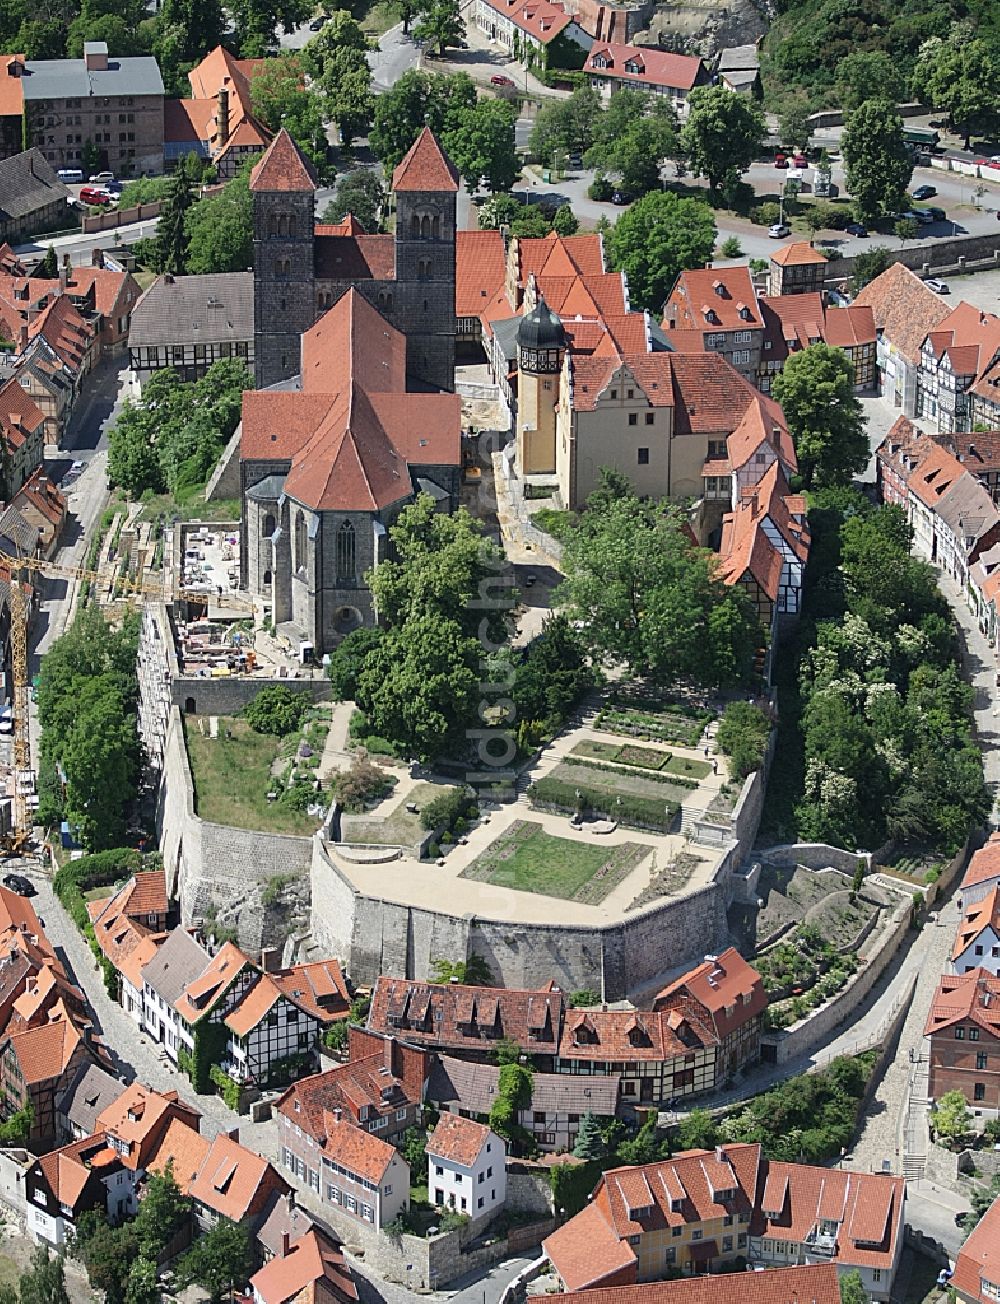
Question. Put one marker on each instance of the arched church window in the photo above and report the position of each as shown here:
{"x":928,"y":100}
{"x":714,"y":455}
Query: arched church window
{"x":267,"y":526}
{"x":291,"y":225}
{"x":425,"y":227}
{"x":282,"y":225}
{"x":436,"y":228}
{"x":272,"y":224}
{"x":414,"y":226}
{"x":301,"y":541}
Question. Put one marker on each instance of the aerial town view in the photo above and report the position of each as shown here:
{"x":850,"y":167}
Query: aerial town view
{"x":500,"y":651}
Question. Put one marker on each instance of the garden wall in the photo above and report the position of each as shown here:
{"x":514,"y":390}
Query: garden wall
{"x":813,"y":855}
{"x":374,"y":936}
{"x":939,"y":257}
{"x":220,"y":870}
{"x":803,"y":1037}
{"x":203,"y":695}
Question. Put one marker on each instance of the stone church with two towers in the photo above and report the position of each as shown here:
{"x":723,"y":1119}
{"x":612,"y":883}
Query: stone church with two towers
{"x":354,"y":413}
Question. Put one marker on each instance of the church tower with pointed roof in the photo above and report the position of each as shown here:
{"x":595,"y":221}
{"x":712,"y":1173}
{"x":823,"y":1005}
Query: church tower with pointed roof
{"x":284,"y":199}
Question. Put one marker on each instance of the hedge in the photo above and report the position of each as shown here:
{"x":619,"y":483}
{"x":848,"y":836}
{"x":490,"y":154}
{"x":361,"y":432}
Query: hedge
{"x":445,"y":811}
{"x":639,"y":812}
{"x":653,"y":776}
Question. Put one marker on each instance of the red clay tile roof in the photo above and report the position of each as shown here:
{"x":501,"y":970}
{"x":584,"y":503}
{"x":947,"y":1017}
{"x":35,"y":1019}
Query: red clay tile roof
{"x":454,"y":1015}
{"x":586,"y":1252}
{"x":799,"y":253}
{"x":283,"y":168}
{"x":183,"y":1148}
{"x":979,"y":1259}
{"x":140,"y":1117}
{"x":972,"y":996}
{"x":67,"y":1169}
{"x":189,"y":121}
{"x":637,"y":1035}
{"x":353,"y":342}
{"x":726,"y":981}
{"x":816,"y":1283}
{"x":905,"y":310}
{"x":710,"y":298}
{"x":746,"y":551}
{"x":480,"y":263}
{"x":461,"y":1140}
{"x":644,"y":65}
{"x":231,"y":1178}
{"x":985,"y":863}
{"x":426,"y":166}
{"x":348,"y":226}
{"x":11,"y":87}
{"x":20,"y":415}
{"x":319,"y":988}
{"x":975,"y":919}
{"x":935,"y":475}
{"x":361,"y":1089}
{"x":113,"y":293}
{"x":45,"y":1052}
{"x":65,"y":331}
{"x":313,"y":1271}
{"x":254,"y":1006}
{"x":202,"y":994}
{"x":354,"y":257}
{"x":359,"y":1152}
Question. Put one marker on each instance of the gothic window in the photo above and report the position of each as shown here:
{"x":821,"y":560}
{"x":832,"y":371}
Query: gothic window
{"x":424,"y":269}
{"x":436,"y":229}
{"x":282,"y":225}
{"x":388,"y":302}
{"x":345,"y":552}
{"x":414,"y":226}
{"x":267,"y":526}
{"x":300,"y":541}
{"x":291,"y":225}
{"x":272,"y":225}
{"x":425,"y":227}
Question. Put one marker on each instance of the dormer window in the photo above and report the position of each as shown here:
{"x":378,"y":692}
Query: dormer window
{"x":744,"y":312}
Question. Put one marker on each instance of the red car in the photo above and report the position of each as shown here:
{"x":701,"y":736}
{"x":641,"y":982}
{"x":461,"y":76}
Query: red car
{"x":498,"y":79}
{"x":800,"y":161}
{"x":91,"y":195}
{"x":780,"y":161}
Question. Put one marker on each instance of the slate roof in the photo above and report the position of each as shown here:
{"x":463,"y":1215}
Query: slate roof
{"x":177,"y":963}
{"x":474,"y":1087}
{"x":216,"y":308}
{"x":89,"y":1094}
{"x":28,"y":182}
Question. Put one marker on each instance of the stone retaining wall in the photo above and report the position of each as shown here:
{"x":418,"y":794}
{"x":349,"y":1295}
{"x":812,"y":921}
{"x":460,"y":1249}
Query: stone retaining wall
{"x":203,"y":695}
{"x":937,"y":257}
{"x":217,"y":870}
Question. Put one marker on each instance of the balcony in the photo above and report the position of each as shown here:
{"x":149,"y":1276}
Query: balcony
{"x":817,"y":1242}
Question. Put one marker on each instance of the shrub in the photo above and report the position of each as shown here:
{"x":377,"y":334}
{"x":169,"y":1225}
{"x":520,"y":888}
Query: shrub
{"x":229,"y":1090}
{"x":600,"y":189}
{"x":361,"y":784}
{"x":626,"y":808}
{"x":765,"y":214}
{"x":731,"y":247}
{"x":276,"y":710}
{"x":445,"y":811}
{"x":743,"y":733}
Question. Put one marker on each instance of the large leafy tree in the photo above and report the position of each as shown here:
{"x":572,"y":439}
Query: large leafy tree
{"x":660,"y":236}
{"x":440,"y":24}
{"x":201,"y":23}
{"x":643,"y":595}
{"x":45,"y":1281}
{"x":257,"y":22}
{"x":220,"y":230}
{"x":564,"y":127}
{"x":360,"y":193}
{"x":416,"y":100}
{"x":816,"y":391}
{"x":282,"y":99}
{"x":961,"y":78}
{"x":877,"y":164}
{"x":632,"y":137}
{"x":868,"y":75}
{"x":481,"y":144}
{"x":217,"y":1260}
{"x":336,"y":59}
{"x":723,"y":133}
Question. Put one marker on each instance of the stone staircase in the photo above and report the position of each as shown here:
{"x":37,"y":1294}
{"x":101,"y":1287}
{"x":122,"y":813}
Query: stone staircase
{"x":915,"y":1124}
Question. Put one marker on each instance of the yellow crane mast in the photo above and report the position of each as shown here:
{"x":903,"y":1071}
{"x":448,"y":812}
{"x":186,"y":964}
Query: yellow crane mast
{"x":131,"y":590}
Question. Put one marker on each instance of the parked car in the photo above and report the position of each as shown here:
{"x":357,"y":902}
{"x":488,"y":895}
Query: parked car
{"x":498,"y":79}
{"x":319,"y":23}
{"x":780,"y":161}
{"x":92,"y":195}
{"x":621,"y":197}
{"x":72,"y":176}
{"x":101,"y":178}
{"x":857,"y":230}
{"x":779,"y":231}
{"x":925,"y":192}
{"x":924,"y":217}
{"x":939,"y":287}
{"x":19,"y":884}
{"x":800,"y":161}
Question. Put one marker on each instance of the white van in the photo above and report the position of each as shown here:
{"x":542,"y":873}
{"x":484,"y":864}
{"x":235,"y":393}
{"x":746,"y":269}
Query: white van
{"x":72,"y":176}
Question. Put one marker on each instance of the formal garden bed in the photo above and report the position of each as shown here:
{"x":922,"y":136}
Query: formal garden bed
{"x":642,"y":758}
{"x":647,"y":801}
{"x":528,"y":859}
{"x":637,"y":713}
{"x":668,"y":881}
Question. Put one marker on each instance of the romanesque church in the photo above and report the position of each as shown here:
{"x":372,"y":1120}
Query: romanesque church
{"x":354,"y":413}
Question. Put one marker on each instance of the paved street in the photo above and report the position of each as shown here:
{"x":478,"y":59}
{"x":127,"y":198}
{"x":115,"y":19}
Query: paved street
{"x":135,"y":1056}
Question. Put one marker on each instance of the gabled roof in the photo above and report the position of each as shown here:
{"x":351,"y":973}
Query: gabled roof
{"x":254,"y":1006}
{"x":283,"y":168}
{"x":28,"y":182}
{"x":67,"y":1170}
{"x":313,"y":1271}
{"x":202,"y":994}
{"x":978,"y":1262}
{"x":460,"y":1140}
{"x":985,"y":863}
{"x":745,"y":552}
{"x":644,"y":65}
{"x":905,"y":310}
{"x":91,"y":1091}
{"x":935,"y":475}
{"x":45,"y":1052}
{"x":178,"y":962}
{"x":972,"y":997}
{"x":231,"y":1178}
{"x":798,"y":253}
{"x":712,"y":298}
{"x":318,"y":988}
{"x":541,"y":19}
{"x":473,"y":1087}
{"x":362,"y":1089}
{"x":139,"y":1117}
{"x":975,"y":920}
{"x":361,"y":1153}
{"x":456,"y":1015}
{"x":813,"y":1283}
{"x":425,"y":167}
{"x":480,"y":262}
{"x":636,"y":1035}
{"x":184,"y":1150}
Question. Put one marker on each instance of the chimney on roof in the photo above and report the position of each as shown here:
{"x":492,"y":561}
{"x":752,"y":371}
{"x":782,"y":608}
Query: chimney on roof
{"x":234,"y":1135}
{"x":222,"y":116}
{"x":95,"y":56}
{"x":168,"y":278}
{"x":286,"y":1242}
{"x":15,"y":68}
{"x":270,"y":960}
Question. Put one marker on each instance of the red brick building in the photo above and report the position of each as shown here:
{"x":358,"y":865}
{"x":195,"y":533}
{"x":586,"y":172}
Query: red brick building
{"x":977,"y":1268}
{"x":964,"y":1030}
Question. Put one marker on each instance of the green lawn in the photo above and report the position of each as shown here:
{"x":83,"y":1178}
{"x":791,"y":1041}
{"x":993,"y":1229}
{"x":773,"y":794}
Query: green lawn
{"x":191,"y":506}
{"x":642,"y":758}
{"x":398,"y":828}
{"x":232,"y":777}
{"x":528,"y":859}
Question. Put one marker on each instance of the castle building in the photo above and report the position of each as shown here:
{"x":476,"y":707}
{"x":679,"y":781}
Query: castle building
{"x":301,"y":269}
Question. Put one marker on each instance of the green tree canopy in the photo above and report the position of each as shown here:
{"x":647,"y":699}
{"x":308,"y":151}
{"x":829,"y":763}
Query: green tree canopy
{"x":877,"y":164}
{"x":348,"y":659}
{"x":257,"y":22}
{"x":589,"y":1141}
{"x":851,"y":1289}
{"x":481,"y":144}
{"x":632,"y":137}
{"x":565,"y":127}
{"x":220,"y":230}
{"x":45,"y":1281}
{"x":217,"y":1260}
{"x":276,"y":710}
{"x":415,"y":100}
{"x":642,"y":594}
{"x":816,"y":391}
{"x":360,"y":193}
{"x":868,"y":75}
{"x":440,"y":24}
{"x":660,"y":236}
{"x":565,"y":222}
{"x":961,"y":79}
{"x":172,"y":236}
{"x":281,"y":98}
{"x":951,"y":1118}
{"x":867,"y":265}
{"x":723,"y":133}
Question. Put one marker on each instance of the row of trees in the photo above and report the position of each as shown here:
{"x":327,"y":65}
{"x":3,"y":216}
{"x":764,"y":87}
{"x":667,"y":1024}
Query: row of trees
{"x":87,"y":693}
{"x":171,"y":439}
{"x":875,"y":737}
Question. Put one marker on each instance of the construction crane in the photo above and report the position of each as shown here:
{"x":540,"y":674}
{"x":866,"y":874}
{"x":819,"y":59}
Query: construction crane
{"x":131,"y":590}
